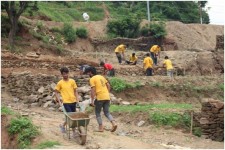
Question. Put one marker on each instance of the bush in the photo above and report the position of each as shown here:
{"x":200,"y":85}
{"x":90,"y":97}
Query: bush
{"x":69,"y":32}
{"x":197,"y":131}
{"x":39,"y":25}
{"x":81,"y":32}
{"x":25,"y":130}
{"x":158,"y":30}
{"x":126,"y":27}
{"x":56,"y":29}
{"x":119,"y":85}
{"x":36,"y":35}
{"x":155,"y":29}
{"x":6,"y":111}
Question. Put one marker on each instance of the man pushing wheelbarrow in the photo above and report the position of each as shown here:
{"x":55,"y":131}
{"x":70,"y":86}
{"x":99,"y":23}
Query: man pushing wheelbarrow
{"x":77,"y":121}
{"x":68,"y":89}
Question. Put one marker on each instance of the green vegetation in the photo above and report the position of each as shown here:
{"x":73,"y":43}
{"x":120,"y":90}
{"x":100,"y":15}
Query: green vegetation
{"x":39,"y":24}
{"x":160,"y":114}
{"x":156,"y":84}
{"x":6,"y":111}
{"x":55,"y":30}
{"x":5,"y":25}
{"x":126,"y":27}
{"x":221,"y":87}
{"x":69,"y":11}
{"x":25,"y":130}
{"x":69,"y":32}
{"x":119,"y":85}
{"x":170,"y":119}
{"x":184,"y":11}
{"x":148,"y":108}
{"x":82,"y":32}
{"x":47,"y":144}
{"x":155,"y":29}
{"x":197,"y":131}
{"x":59,"y":49}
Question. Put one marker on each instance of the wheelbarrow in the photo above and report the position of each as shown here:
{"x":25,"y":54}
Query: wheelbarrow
{"x":77,"y":121}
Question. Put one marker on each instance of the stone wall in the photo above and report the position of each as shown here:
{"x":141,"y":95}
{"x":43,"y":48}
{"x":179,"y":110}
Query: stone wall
{"x":220,"y":42}
{"x":211,"y":120}
{"x":38,"y":90}
{"x":141,"y":44}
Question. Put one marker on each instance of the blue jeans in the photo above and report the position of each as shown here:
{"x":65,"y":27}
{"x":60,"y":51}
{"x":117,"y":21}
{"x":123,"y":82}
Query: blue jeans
{"x":98,"y":107}
{"x":70,"y":107}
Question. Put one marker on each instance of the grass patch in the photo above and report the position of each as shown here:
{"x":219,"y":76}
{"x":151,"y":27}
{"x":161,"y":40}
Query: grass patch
{"x":25,"y":129}
{"x":147,"y":108}
{"x":119,"y":85}
{"x":47,"y":144}
{"x":221,"y":87}
{"x":156,"y":84}
{"x":72,"y":11}
{"x":171,"y":119}
{"x":6,"y":111}
{"x":197,"y":131}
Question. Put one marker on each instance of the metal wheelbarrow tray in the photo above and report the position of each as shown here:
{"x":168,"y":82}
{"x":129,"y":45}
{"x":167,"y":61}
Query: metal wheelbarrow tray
{"x":77,"y":121}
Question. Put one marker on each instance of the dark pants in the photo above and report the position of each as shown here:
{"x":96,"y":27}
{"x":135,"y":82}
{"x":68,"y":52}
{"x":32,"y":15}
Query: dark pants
{"x":70,"y":107}
{"x":132,"y":63}
{"x":154,"y":58}
{"x":98,"y":107}
{"x":149,"y":72}
{"x":111,"y":73}
{"x":119,"y":57}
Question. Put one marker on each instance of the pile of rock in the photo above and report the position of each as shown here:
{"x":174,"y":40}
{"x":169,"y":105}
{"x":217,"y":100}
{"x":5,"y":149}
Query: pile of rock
{"x":38,"y":90}
{"x":211,"y":120}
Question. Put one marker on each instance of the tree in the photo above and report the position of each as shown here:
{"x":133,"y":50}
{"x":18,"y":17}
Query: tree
{"x":14,"y":11}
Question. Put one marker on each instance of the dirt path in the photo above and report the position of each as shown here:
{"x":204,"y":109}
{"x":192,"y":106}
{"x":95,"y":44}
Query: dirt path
{"x":127,"y":136}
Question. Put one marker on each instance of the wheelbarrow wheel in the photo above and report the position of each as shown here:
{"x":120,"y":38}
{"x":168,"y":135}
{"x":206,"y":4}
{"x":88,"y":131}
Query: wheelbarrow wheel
{"x":83,"y":135}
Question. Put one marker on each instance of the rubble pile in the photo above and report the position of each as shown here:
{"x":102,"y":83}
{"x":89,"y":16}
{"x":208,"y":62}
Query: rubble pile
{"x":38,"y":90}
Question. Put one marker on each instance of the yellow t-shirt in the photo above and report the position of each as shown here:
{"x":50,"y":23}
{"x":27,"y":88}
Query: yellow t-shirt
{"x":120,"y":48}
{"x":168,"y":64}
{"x":66,"y":89}
{"x":133,"y":59}
{"x":148,"y":62}
{"x":99,"y":82}
{"x":155,"y":49}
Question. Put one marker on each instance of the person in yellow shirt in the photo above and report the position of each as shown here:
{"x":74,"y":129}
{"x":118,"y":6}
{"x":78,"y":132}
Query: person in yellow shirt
{"x":120,"y":52}
{"x":100,"y":98}
{"x":148,"y":65}
{"x":133,"y":59}
{"x":68,"y":89}
{"x":155,"y":52}
{"x":169,"y":67}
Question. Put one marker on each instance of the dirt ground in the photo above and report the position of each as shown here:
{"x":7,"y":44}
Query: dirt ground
{"x":127,"y":136}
